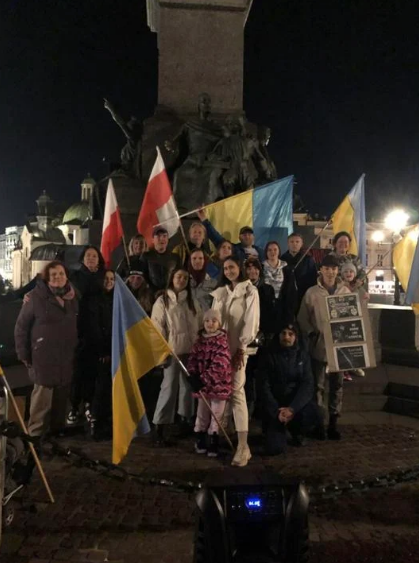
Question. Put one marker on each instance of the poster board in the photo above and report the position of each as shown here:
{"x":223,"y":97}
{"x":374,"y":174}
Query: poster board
{"x":347,"y":333}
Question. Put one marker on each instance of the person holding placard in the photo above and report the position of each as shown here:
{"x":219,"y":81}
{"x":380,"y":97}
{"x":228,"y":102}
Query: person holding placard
{"x":312,"y":317}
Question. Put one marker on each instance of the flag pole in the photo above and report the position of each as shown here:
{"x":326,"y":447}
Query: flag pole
{"x":183,"y":233}
{"x":124,"y":242}
{"x":25,"y":430}
{"x":220,"y":426}
{"x":312,"y":244}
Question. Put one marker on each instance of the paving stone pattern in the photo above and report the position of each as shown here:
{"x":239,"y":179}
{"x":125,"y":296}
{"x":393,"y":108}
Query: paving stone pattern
{"x":97,"y":519}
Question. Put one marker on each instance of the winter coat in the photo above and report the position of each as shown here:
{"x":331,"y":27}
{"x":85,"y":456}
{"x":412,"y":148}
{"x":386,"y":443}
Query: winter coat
{"x":238,"y":249}
{"x":286,"y":304}
{"x":98,"y":337}
{"x":313,"y":315}
{"x":46,"y":337}
{"x":210,"y":359}
{"x":240,"y":313}
{"x":285,"y":379}
{"x":202,"y":291}
{"x":87,"y":284}
{"x":305,"y":274}
{"x":156,"y":268}
{"x":177,"y":323}
{"x":269,"y":308}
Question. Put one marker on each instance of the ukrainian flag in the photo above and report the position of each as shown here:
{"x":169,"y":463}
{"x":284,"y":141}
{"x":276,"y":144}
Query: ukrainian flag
{"x":267,"y":209}
{"x":137,"y":347}
{"x":406,"y":264}
{"x":350,"y":217}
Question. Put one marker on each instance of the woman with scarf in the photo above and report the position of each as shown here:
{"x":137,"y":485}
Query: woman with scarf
{"x":46,"y":340}
{"x":201,"y":282}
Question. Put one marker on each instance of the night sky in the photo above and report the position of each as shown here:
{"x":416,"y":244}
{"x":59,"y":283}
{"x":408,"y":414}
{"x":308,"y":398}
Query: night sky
{"x":337,"y":82}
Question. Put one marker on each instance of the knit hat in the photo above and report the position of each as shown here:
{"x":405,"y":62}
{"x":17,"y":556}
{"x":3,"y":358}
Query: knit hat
{"x":348,"y":266}
{"x":289,"y":326}
{"x":212,"y":314}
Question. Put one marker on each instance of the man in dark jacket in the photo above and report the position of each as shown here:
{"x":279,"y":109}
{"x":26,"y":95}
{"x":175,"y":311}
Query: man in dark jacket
{"x":156,"y":264}
{"x":286,"y":392}
{"x":306,"y":271}
{"x":243,"y":249}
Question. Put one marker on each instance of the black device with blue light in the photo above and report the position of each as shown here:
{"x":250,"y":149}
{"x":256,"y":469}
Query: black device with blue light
{"x":257,"y":518}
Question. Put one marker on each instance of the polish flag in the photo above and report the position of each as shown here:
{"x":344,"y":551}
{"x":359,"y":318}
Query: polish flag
{"x":112,"y":231}
{"x":158,"y":204}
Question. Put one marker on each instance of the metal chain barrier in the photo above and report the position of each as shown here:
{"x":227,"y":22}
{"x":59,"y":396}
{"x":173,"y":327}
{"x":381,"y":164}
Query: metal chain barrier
{"x":331,"y":491}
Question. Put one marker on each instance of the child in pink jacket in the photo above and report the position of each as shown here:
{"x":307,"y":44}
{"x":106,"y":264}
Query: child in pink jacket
{"x":210,"y":363}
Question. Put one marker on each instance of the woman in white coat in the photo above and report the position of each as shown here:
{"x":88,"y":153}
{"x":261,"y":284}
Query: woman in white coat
{"x":179,"y":318}
{"x":237,"y":300}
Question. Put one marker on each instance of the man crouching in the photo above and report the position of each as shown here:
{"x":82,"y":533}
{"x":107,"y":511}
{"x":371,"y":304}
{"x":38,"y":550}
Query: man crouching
{"x":286,"y":393}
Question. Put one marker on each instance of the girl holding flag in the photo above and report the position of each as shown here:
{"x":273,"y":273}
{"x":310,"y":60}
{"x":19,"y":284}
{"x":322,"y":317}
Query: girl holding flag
{"x":178,"y":316}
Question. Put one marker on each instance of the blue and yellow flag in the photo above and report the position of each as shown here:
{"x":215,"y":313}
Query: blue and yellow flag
{"x":406,"y":264}
{"x":350,"y":217}
{"x":267,"y":209}
{"x":137,"y":347}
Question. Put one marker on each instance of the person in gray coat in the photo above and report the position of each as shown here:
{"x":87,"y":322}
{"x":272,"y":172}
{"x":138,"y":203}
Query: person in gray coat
{"x":45,"y":340}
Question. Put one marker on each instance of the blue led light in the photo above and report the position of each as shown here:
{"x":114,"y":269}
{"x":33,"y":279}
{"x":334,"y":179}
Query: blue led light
{"x":253,"y":503}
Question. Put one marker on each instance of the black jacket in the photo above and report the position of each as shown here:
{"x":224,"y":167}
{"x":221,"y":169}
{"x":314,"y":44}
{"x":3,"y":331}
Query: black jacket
{"x":269,"y":308}
{"x":87,"y":285}
{"x":157,"y":267}
{"x":305,"y":274}
{"x":98,"y":324}
{"x":285,"y":379}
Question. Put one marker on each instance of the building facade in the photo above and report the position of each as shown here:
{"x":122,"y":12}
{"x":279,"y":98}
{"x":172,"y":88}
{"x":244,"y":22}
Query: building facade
{"x":379,"y":245}
{"x":9,"y":240}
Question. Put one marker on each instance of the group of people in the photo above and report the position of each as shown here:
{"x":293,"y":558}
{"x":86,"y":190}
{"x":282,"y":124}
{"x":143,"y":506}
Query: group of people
{"x":244,"y":320}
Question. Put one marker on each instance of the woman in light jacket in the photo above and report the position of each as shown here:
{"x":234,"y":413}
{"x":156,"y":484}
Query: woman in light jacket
{"x":237,"y":300}
{"x":178,"y":316}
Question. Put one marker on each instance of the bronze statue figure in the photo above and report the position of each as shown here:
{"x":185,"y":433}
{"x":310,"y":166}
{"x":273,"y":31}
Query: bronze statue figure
{"x":265,"y":166}
{"x":131,"y":151}
{"x":196,"y":179}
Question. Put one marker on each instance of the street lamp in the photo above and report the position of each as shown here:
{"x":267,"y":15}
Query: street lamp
{"x":395,"y":222}
{"x":378,"y":236}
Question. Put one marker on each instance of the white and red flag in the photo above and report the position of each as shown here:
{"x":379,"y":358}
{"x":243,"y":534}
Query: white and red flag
{"x":112,"y":231}
{"x":158,"y":204}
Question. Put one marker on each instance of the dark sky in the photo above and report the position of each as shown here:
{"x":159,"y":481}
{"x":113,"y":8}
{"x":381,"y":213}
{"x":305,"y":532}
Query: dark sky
{"x":337,"y":82}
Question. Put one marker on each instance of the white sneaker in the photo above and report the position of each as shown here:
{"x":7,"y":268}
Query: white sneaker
{"x":242,"y":456}
{"x":358,"y":372}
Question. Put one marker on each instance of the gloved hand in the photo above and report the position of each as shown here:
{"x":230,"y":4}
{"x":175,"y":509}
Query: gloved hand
{"x":195,"y":383}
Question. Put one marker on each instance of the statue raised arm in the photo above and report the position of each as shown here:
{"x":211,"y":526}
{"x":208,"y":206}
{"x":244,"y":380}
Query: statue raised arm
{"x":131,"y":152}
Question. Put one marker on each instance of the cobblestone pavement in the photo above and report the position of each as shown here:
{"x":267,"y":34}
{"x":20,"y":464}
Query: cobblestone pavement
{"x":98,"y":518}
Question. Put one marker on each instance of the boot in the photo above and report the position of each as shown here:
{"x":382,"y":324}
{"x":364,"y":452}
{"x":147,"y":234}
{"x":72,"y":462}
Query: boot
{"x":200,"y":442}
{"x":332,"y":431}
{"x":159,"y":439}
{"x":213,"y":445}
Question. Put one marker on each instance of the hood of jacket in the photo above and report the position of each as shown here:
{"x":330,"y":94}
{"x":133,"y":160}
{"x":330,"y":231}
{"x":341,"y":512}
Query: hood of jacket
{"x":239,"y":291}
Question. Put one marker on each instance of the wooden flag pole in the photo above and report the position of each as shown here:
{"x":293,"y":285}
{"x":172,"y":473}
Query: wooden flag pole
{"x":31,"y":446}
{"x":124,"y":242}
